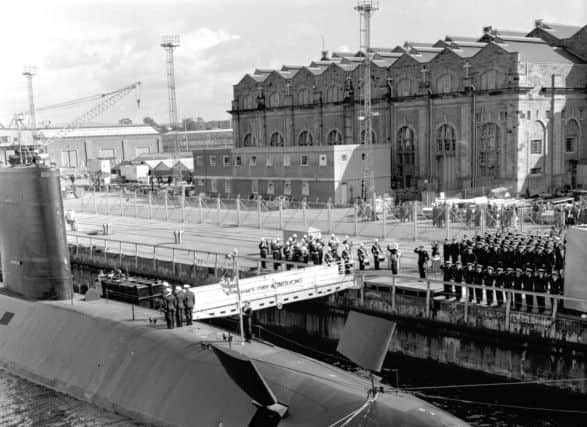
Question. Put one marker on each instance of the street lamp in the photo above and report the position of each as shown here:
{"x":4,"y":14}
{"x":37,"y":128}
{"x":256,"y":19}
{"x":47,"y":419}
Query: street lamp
{"x":234,"y":257}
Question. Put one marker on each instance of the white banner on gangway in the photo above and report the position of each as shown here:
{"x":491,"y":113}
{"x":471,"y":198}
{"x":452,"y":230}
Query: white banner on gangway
{"x":272,"y":290}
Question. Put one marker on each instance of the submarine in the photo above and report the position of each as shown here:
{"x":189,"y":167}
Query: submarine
{"x":191,"y":376}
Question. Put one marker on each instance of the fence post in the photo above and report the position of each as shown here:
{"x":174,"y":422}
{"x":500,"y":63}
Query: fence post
{"x":108,"y":203}
{"x":121,"y":195}
{"x":427,"y":298}
{"x":356,"y":219}
{"x":218,"y":218}
{"x":483,"y":218}
{"x":120,"y":254}
{"x":329,"y":212}
{"x":393,"y":293}
{"x":136,"y":205}
{"x":521,"y":219}
{"x":259,"y":211}
{"x":106,"y":251}
{"x":304,"y":214}
{"x":280,"y":214}
{"x":554,"y":310}
{"x":508,"y":302}
{"x":166,"y":198}
{"x":238,"y":210}
{"x":200,"y":208}
{"x":216,"y":267}
{"x":155,"y":258}
{"x":136,"y":255}
{"x":447,"y":220}
{"x":173,"y":260}
{"x":182,"y":202}
{"x":466,"y":314}
{"x":150,"y":205}
{"x":94,"y":199}
{"x":384,"y":219}
{"x":415,"y":218}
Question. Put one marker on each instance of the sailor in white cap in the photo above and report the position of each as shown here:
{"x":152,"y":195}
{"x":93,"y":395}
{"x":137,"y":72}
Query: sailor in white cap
{"x":190,"y":302}
{"x":179,"y":313}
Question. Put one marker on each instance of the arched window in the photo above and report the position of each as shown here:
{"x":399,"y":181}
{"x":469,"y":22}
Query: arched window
{"x":304,"y":97}
{"x":305,"y":138}
{"x":364,"y":135}
{"x":489,"y":150}
{"x":571,"y":136}
{"x":404,"y":87}
{"x":276,"y":140}
{"x":445,"y":140}
{"x":249,"y":141}
{"x":334,"y":94}
{"x":334,"y":137}
{"x":274,"y":99}
{"x":406,"y":155}
{"x":489,"y":80}
{"x":444,"y":84}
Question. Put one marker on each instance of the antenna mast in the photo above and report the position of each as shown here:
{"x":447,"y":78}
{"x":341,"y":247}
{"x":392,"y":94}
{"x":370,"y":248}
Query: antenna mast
{"x":366,"y":8}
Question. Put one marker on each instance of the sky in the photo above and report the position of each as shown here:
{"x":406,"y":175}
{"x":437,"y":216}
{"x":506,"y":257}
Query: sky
{"x":88,"y":47}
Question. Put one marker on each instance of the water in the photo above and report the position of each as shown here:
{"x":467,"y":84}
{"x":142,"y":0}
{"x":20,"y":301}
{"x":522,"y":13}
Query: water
{"x":24,"y":404}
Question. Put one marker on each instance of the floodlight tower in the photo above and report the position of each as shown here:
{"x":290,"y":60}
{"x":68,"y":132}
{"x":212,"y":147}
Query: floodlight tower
{"x":366,"y":8}
{"x":169,"y":43}
{"x":29,"y":71}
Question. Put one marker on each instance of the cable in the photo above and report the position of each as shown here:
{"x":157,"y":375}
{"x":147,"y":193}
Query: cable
{"x":352,"y":415}
{"x":453,"y":386}
{"x":502,"y":405}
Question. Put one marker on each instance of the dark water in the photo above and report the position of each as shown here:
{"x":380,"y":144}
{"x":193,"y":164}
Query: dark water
{"x":24,"y":404}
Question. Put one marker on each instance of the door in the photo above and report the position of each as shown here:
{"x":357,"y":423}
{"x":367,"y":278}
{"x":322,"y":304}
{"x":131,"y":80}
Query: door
{"x":344,"y":199}
{"x":447,"y":172}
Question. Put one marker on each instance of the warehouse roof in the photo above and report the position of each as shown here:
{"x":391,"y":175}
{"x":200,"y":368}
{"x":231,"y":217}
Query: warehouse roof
{"x":100,"y":131}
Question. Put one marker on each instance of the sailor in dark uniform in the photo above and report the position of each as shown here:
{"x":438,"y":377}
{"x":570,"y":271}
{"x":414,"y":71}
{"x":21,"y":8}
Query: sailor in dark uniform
{"x":263,"y":251}
{"x":469,"y":276}
{"x":555,"y":286}
{"x":500,"y":281}
{"x":528,"y":286}
{"x":517,"y":285}
{"x":169,"y":305}
{"x":247,"y":321}
{"x":478,"y":279}
{"x":378,"y":255}
{"x":540,"y":286}
{"x":446,"y":278}
{"x":362,"y":256}
{"x":489,"y":282}
{"x":189,"y":302}
{"x":346,"y":259}
{"x":180,"y":306}
{"x":457,"y":277}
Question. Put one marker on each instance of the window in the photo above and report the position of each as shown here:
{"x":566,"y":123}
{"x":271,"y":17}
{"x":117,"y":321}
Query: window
{"x":406,"y":152}
{"x":489,"y":80}
{"x":344,"y":157}
{"x":305,"y":138}
{"x":445,"y":140}
{"x":535,"y":171}
{"x":142,"y":150}
{"x":254,"y":186}
{"x":322,"y":160}
{"x":404,"y":87}
{"x":478,"y":117}
{"x":199,"y":161}
{"x":334,"y":94}
{"x":276,"y":140}
{"x":364,"y":134}
{"x":214,"y":185}
{"x":274,"y":99}
{"x":226,"y":161}
{"x":529,"y":115}
{"x":444,"y":84}
{"x":69,"y":159}
{"x":363,"y":156}
{"x":107,"y":153}
{"x":503,"y":116}
{"x":571,"y":136}
{"x":249,"y":141}
{"x":270,"y":187}
{"x":212,"y":161}
{"x":536,"y":146}
{"x":238,"y":160}
{"x":286,"y":160}
{"x":334,"y":137}
{"x":305,"y":188}
{"x":489,"y":154}
{"x":253,"y":161}
{"x":304,"y":160}
{"x":304,"y":97}
{"x":287,"y":188}
{"x":269,"y":161}
{"x":227,"y":186}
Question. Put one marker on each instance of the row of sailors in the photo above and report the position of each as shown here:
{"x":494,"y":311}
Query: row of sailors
{"x":510,"y":251}
{"x":496,"y":282}
{"x":178,"y":305}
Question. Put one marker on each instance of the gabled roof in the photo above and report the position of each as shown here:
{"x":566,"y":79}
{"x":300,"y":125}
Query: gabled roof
{"x":540,"y":53}
{"x":163,"y":165}
{"x":100,"y":131}
{"x":315,"y":70}
{"x":458,"y":39}
{"x":559,"y":31}
{"x":387,"y":55}
{"x":466,"y":52}
{"x":384,"y":63}
{"x":349,"y":59}
{"x":184,"y":165}
{"x":423,"y":56}
{"x":322,"y":63}
{"x":290,"y":67}
{"x":263,"y":71}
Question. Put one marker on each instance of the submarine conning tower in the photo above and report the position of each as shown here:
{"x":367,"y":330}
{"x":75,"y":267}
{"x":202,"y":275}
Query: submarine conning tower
{"x":33,"y":241}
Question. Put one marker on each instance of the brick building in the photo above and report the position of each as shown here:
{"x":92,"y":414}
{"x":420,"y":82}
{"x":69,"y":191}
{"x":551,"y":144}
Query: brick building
{"x":506,"y":108}
{"x":194,"y":139}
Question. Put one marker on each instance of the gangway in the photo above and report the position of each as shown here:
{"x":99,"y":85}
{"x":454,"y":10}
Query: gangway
{"x":271,"y":290}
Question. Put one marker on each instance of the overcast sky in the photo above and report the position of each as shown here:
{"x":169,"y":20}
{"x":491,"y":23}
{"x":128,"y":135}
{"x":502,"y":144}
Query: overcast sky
{"x":86,"y":47}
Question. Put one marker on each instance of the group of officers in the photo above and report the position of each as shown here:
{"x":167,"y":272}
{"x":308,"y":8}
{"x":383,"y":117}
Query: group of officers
{"x":297,"y":251}
{"x":178,"y":305}
{"x":501,"y":262}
